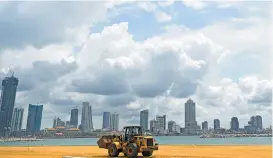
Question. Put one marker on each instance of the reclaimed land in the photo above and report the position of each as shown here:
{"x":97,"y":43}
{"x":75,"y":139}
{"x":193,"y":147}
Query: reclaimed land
{"x":184,"y":151}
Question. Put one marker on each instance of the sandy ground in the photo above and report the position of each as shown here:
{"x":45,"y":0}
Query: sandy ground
{"x":164,"y":151}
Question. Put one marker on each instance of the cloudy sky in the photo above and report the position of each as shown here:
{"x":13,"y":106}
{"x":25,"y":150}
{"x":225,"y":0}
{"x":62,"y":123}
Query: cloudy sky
{"x":128,"y":56}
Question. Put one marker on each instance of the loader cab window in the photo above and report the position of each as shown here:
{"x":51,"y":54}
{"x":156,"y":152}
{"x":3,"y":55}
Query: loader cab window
{"x":125,"y":132}
{"x":137,"y":131}
{"x":128,"y":132}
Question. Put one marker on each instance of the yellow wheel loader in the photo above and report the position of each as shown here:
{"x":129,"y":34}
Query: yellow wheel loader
{"x":131,"y":142}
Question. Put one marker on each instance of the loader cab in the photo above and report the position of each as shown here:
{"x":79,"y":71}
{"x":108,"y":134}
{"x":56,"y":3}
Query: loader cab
{"x":130,"y":131}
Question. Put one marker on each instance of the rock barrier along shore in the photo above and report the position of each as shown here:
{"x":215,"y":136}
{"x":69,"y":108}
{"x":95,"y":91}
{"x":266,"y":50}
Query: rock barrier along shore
{"x":18,"y":139}
{"x":234,"y":135}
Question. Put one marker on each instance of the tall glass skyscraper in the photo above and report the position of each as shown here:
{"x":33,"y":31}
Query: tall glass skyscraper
{"x":74,"y":118}
{"x":259,"y":121}
{"x":171,"y":126}
{"x":234,"y":124}
{"x":8,"y":95}
{"x":86,"y":122}
{"x":162,"y":121}
{"x":34,"y":118}
{"x":216,"y":124}
{"x":106,"y":120}
{"x":17,"y":119}
{"x":144,"y":119}
{"x":114,"y":121}
{"x":191,"y":126}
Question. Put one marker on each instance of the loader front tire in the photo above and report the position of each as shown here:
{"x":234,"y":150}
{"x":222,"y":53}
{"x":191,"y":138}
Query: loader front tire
{"x":131,"y":150}
{"x":113,"y":151}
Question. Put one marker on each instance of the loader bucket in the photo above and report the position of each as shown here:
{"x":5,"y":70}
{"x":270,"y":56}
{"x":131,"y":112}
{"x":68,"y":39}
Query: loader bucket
{"x":104,"y":141}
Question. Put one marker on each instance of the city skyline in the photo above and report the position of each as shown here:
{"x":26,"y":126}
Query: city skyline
{"x":108,"y":123}
{"x":132,"y":56}
{"x":111,"y":120}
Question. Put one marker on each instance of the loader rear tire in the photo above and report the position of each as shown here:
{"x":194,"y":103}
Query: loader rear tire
{"x":147,"y":153}
{"x":131,"y":150}
{"x":113,"y":151}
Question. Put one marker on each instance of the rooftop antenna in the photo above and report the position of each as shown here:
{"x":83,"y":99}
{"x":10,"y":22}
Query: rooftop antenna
{"x":11,"y":72}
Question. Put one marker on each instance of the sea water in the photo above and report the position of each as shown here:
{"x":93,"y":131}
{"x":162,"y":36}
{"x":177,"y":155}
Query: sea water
{"x":168,"y":140}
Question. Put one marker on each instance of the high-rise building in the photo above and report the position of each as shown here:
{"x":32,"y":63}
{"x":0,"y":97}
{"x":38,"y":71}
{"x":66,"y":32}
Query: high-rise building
{"x":74,"y":118}
{"x":34,"y":118}
{"x":86,"y":122}
{"x":205,"y":126}
{"x":60,"y":122}
{"x":144,"y":119}
{"x":54,"y":122}
{"x":253,"y":121}
{"x":177,"y":129}
{"x":17,"y":119}
{"x":171,"y":126}
{"x":106,"y":120}
{"x":2,"y":118}
{"x":162,"y":121}
{"x":115,"y":122}
{"x":234,"y":124}
{"x":154,"y":126}
{"x":259,"y":121}
{"x":191,"y":126}
{"x":67,"y":124}
{"x":8,"y":95}
{"x":216,"y":124}
{"x":254,"y":125}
